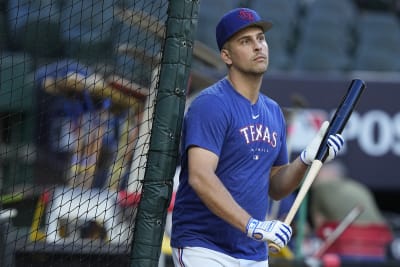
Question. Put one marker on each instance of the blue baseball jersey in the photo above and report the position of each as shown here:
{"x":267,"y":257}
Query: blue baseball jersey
{"x":248,"y":139}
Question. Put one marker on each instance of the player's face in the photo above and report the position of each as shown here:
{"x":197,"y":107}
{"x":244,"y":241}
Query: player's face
{"x":247,"y":51}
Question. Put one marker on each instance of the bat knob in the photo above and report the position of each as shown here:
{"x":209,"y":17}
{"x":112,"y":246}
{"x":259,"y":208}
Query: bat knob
{"x":273,"y":248}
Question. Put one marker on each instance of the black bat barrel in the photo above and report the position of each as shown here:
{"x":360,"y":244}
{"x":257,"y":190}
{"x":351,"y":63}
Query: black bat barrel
{"x":342,"y":115}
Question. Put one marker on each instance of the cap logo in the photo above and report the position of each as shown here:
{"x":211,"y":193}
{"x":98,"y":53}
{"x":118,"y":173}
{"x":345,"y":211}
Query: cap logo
{"x":246,"y":15}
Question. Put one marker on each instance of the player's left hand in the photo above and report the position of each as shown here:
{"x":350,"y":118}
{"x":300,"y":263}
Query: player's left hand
{"x":335,"y":143}
{"x":272,"y":231}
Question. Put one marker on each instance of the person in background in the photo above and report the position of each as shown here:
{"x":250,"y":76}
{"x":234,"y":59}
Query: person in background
{"x":234,"y":157}
{"x":333,"y":195}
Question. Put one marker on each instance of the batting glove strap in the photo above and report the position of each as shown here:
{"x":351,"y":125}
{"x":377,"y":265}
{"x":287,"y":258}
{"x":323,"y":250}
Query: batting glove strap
{"x":304,"y":158}
{"x":274,"y":231}
{"x":335,"y":143}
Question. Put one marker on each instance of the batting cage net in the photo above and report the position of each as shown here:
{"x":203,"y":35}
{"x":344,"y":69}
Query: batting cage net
{"x":91,"y":97}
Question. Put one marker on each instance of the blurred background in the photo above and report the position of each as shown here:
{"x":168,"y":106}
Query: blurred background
{"x":317,"y":47}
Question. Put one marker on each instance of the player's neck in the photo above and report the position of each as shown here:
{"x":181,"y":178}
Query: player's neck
{"x":247,"y":86}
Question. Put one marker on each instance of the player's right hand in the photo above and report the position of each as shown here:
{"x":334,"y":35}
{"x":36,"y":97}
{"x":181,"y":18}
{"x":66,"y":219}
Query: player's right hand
{"x":273,"y":231}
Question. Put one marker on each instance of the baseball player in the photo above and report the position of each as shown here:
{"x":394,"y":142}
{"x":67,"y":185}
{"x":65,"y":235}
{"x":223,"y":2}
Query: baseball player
{"x":234,"y":157}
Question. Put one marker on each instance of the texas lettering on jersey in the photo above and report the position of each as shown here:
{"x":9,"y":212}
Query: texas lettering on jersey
{"x":259,"y":133}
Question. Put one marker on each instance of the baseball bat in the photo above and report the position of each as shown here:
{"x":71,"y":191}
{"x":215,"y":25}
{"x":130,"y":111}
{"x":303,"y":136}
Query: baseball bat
{"x":97,"y":86}
{"x":126,"y":146}
{"x":85,"y":157}
{"x":353,"y":214}
{"x":336,"y":125}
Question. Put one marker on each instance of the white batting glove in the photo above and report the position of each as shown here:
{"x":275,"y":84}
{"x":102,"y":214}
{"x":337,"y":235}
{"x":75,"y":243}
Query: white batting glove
{"x":335,"y":143}
{"x":274,"y":231}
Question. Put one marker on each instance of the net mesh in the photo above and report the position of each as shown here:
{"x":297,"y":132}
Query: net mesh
{"x":78,"y":86}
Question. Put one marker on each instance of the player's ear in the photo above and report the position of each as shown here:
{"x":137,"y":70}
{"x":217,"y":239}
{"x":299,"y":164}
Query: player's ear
{"x":225,"y":56}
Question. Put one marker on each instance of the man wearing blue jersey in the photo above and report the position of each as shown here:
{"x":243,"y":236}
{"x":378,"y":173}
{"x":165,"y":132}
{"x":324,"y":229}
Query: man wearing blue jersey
{"x":234,"y":156}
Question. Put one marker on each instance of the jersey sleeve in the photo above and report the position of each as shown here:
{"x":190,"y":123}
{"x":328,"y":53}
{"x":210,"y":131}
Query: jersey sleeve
{"x":283,"y":157}
{"x":206,"y":123}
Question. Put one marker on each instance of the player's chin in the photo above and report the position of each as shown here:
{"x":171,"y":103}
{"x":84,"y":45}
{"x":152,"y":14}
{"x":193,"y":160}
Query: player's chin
{"x":261,"y":69}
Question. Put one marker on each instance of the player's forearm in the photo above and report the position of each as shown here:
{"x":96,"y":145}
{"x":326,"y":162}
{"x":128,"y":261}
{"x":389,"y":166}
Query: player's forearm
{"x":287,"y":179}
{"x":217,"y":198}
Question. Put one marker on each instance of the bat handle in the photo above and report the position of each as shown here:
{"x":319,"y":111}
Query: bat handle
{"x":307,"y":181}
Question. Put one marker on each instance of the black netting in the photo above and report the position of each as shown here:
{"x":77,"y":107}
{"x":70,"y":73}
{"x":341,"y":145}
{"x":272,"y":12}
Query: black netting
{"x":77,"y":95}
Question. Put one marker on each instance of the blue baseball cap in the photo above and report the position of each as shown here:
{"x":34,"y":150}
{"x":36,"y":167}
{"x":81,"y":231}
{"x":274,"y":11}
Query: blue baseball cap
{"x":236,"y":20}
